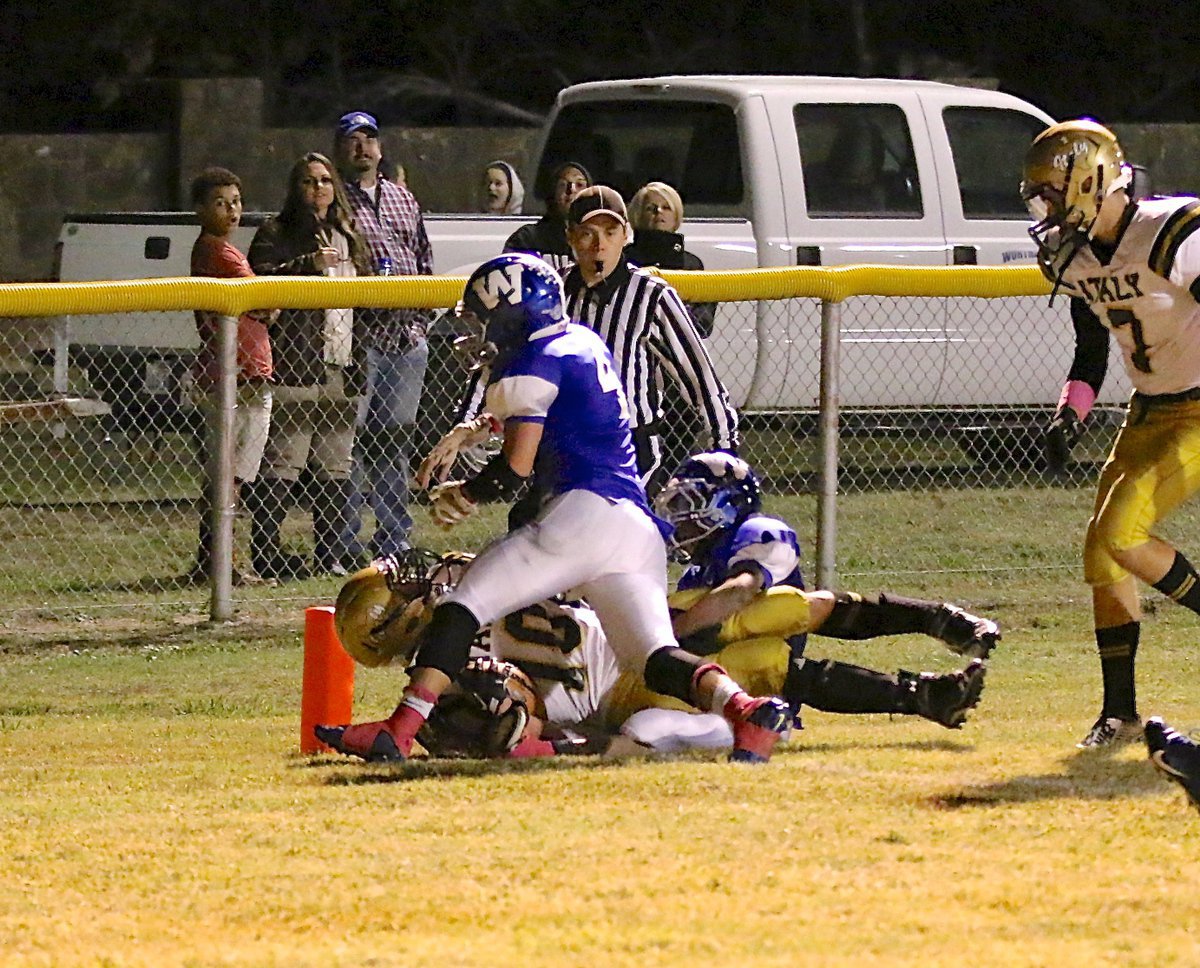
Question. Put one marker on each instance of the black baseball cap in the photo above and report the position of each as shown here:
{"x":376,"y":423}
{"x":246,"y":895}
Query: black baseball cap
{"x":597,"y":200}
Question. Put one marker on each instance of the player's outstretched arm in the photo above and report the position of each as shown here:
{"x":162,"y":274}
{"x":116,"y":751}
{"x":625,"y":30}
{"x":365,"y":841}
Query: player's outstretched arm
{"x":501,"y":479}
{"x":470,"y":433}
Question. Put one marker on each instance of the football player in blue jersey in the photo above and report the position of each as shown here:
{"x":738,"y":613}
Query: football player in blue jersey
{"x":553,"y":389}
{"x":736,"y":555}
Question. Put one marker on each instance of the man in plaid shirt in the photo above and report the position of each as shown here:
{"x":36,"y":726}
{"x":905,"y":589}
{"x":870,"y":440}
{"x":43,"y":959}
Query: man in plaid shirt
{"x":389,"y":220}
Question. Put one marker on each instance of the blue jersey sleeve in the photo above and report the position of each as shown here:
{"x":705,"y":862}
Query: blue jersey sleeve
{"x":767,"y":544}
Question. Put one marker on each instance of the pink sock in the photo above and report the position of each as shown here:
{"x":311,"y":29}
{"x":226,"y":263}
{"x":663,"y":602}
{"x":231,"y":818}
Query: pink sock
{"x":408,"y":717}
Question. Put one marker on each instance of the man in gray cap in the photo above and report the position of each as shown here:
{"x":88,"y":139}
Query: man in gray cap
{"x":390,"y":221}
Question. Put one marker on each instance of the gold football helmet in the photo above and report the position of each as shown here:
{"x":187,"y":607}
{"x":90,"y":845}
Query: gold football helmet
{"x":382,"y":609}
{"x":1069,"y":170}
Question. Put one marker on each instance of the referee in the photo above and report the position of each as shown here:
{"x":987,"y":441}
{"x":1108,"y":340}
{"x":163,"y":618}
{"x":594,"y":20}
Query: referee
{"x":647,"y":328}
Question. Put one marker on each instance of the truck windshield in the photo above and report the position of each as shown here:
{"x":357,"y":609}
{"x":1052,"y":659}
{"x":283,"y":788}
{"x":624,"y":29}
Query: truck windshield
{"x":858,"y":161}
{"x":690,"y":145}
{"x":988,"y":146}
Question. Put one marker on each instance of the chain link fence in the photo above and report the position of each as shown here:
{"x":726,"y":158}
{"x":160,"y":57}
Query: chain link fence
{"x":938,"y":453}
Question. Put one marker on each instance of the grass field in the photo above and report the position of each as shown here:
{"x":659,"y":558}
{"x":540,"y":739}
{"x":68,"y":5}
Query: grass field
{"x":157,"y":811}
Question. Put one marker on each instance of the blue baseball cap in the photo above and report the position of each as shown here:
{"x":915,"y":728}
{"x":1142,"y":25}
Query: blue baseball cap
{"x":357,"y":121}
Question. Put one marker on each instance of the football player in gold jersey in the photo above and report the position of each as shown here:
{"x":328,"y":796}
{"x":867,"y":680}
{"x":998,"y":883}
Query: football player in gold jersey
{"x":1132,"y":269}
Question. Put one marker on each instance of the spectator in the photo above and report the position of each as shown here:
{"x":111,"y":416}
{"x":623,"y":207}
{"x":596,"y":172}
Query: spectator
{"x":390,"y":221}
{"x":547,"y":237}
{"x":393,"y":171}
{"x":319,"y":365}
{"x":656,"y":212}
{"x":503,"y":193}
{"x":217,"y":198}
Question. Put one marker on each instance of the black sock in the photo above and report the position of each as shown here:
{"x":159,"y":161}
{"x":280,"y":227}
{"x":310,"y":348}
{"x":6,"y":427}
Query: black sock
{"x":1118,"y":648}
{"x":867,"y":616}
{"x":1181,"y":583}
{"x":838,"y":687}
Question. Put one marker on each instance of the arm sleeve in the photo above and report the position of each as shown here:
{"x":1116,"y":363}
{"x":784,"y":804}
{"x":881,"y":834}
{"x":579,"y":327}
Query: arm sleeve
{"x":678,"y":346}
{"x":1175,"y":254}
{"x":521,"y":397}
{"x":775,"y":560}
{"x":1091,"y":346}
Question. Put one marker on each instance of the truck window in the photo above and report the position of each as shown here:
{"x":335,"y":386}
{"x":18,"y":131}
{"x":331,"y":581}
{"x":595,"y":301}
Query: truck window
{"x":690,"y":145}
{"x":988,"y":146}
{"x":858,"y":161}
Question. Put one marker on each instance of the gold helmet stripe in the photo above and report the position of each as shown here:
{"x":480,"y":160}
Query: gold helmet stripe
{"x":1171,"y":236}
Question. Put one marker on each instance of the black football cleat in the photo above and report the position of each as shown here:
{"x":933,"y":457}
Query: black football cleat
{"x":965,"y":634}
{"x":1175,"y":756}
{"x":1110,"y":731}
{"x":947,"y":699}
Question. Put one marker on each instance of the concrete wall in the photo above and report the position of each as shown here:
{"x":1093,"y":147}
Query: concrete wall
{"x":1170,"y":151}
{"x":219,"y":123}
{"x":42,"y":177}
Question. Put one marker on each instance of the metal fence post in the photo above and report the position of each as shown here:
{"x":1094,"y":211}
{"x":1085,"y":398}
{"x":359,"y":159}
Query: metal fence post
{"x":830,"y":403}
{"x":220,"y":467}
{"x":62,"y":363}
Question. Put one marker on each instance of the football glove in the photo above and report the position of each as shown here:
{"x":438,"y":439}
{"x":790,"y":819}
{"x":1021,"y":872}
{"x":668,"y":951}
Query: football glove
{"x":1063,"y":433}
{"x":463,"y":436}
{"x":451,"y":504}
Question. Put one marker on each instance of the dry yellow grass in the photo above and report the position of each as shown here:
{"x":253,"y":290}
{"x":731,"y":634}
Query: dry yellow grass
{"x":155,"y":813}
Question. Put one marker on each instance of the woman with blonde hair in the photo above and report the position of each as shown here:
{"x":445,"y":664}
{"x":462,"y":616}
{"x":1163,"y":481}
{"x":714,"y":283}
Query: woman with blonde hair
{"x":655,"y":213}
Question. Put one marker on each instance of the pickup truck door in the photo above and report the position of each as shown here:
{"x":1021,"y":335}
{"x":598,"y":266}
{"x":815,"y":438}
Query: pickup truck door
{"x":979,"y":148}
{"x":865,"y":190}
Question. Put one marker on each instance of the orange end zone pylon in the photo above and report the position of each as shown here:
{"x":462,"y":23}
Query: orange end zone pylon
{"x":327,"y":693}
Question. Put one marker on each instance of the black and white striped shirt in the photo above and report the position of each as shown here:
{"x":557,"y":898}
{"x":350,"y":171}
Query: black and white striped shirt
{"x":646,"y":325}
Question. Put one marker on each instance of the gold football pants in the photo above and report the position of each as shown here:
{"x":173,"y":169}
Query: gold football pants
{"x":1153,"y":468}
{"x":754,"y":651}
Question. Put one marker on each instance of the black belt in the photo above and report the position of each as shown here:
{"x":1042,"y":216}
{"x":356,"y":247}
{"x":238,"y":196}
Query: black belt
{"x":1158,"y":399}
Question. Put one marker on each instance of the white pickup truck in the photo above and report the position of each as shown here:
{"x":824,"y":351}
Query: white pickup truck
{"x":774,"y":171}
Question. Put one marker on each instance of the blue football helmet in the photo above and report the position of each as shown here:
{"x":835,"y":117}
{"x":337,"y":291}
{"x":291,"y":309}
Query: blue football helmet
{"x":508,"y":301}
{"x":710,"y":493}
